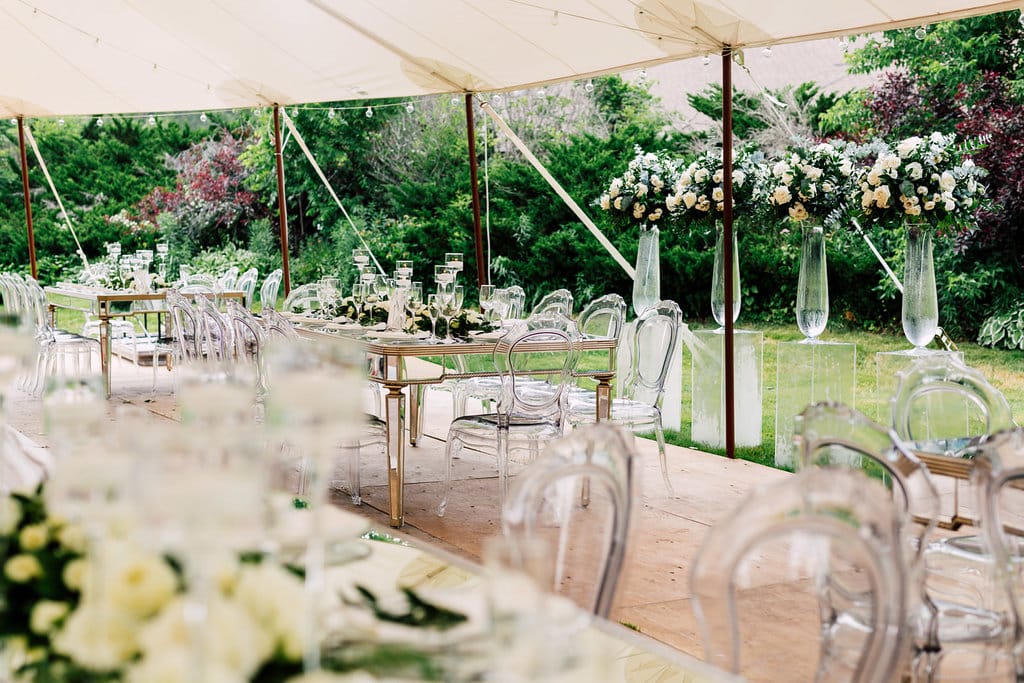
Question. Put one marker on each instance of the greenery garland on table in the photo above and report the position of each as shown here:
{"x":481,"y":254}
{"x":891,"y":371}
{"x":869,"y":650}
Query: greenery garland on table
{"x":61,"y":620}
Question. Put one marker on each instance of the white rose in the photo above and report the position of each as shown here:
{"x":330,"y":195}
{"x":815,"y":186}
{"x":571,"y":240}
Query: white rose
{"x":73,"y":537}
{"x":686,"y":179}
{"x":641,"y":190}
{"x":74,"y":574}
{"x":922,"y":190}
{"x":718,"y":194}
{"x":937,"y":137}
{"x":738,"y":178}
{"x":813,"y":173}
{"x":797,"y":212}
{"x":46,"y":614}
{"x":270,"y":594}
{"x":689,"y":199}
{"x":33,"y":537}
{"x":138,"y":583}
{"x":615,"y":189}
{"x":781,"y":195}
{"x":882,"y":196}
{"x":971,"y":185}
{"x":846,"y":167}
{"x":874,"y":177}
{"x":23,"y":568}
{"x":950,"y":204}
{"x":827,"y":187}
{"x":907,"y":147}
{"x":176,"y":666}
{"x":701,"y":175}
{"x":780,"y":169}
{"x":10,"y":515}
{"x":657,"y":183}
{"x":889,"y":162}
{"x":672,"y":202}
{"x":718,"y":176}
{"x":915,"y":171}
{"x":606,"y":202}
{"x":97,"y":637}
{"x":618,"y":203}
{"x":947,"y":182}
{"x":928,"y":206}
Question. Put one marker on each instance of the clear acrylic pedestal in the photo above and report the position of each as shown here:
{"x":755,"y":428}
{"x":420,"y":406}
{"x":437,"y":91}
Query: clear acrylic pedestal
{"x":810,"y":372}
{"x":708,"y":393}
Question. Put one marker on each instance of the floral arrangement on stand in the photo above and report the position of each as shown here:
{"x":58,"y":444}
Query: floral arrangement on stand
{"x":640,"y":196}
{"x":698,"y":196}
{"x":809,"y":183}
{"x":113,"y":611}
{"x":921,"y":180}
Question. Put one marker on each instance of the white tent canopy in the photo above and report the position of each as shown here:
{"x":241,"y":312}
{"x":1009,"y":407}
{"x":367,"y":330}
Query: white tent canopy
{"x":121,"y":56}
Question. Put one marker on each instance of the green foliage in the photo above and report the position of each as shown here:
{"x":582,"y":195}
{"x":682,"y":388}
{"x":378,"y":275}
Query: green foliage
{"x":216,"y":261}
{"x":747,"y":109}
{"x":1004,"y":331}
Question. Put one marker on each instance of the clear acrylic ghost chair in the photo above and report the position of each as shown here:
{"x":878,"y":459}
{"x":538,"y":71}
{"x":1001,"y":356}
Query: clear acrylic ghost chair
{"x":835,"y":435}
{"x":247,"y":286}
{"x":218,"y":335}
{"x":639,"y":408}
{"x":849,"y":525}
{"x":278,"y":326}
{"x":998,"y":478}
{"x":250,"y":339}
{"x":228,"y":280}
{"x":523,"y":420}
{"x":186,"y":328}
{"x":516,"y":297}
{"x":374,"y":432}
{"x":559,"y":301}
{"x":586,"y":535}
{"x":269,"y":289}
{"x":59,"y":352}
{"x":303,"y":299}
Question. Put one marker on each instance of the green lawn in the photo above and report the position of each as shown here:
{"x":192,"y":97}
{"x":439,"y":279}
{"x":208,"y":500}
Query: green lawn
{"x":1005,"y":369}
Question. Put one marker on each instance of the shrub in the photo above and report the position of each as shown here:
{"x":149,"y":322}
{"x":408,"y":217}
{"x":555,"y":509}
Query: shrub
{"x":1004,"y":331}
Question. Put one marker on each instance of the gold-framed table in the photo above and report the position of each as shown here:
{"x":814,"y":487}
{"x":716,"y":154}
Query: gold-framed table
{"x":102,"y":303}
{"x":390,"y":367}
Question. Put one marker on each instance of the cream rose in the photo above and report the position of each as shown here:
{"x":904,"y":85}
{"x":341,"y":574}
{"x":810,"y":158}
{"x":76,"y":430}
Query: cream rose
{"x":139,"y":583}
{"x":46,"y":614}
{"x":618,"y":203}
{"x":718,"y":176}
{"x":176,"y":666}
{"x":906,"y":147}
{"x":74,"y":574}
{"x":882,"y":196}
{"x":915,"y":171}
{"x":867,"y":199}
{"x":929,"y":205}
{"x":874,"y":177}
{"x":97,"y":638}
{"x":606,"y":202}
{"x":717,"y":194}
{"x":813,"y":172}
{"x":638,"y":211}
{"x":655,"y":215}
{"x":701,"y":175}
{"x":33,"y":537}
{"x":781,"y":195}
{"x":641,"y":190}
{"x":23,"y":568}
{"x":10,"y":515}
{"x":672,"y":202}
{"x":797,"y":212}
{"x":947,"y":182}
{"x":73,"y":537}
{"x":913,"y":210}
{"x":689,"y":200}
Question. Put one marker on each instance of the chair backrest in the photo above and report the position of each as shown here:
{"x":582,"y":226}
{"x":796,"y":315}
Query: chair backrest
{"x":840,"y":518}
{"x":302,"y":299}
{"x":277,"y":325}
{"x":588,"y":538}
{"x":250,"y":337}
{"x":228,"y":279}
{"x":269,"y":289}
{"x":942,"y":406}
{"x":186,"y":326}
{"x":516,"y":296}
{"x":543,"y":347}
{"x":247,"y":285}
{"x":218,"y":334}
{"x":654,"y":343}
{"x":603,"y":317}
{"x":199,"y":280}
{"x":559,"y":301}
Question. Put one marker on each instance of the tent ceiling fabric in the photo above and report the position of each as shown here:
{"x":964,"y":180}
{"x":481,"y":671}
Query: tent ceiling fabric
{"x":126,"y":56}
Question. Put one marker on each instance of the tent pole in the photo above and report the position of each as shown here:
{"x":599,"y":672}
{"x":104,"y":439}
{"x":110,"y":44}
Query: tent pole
{"x":478,"y":236}
{"x":730,"y":388}
{"x":28,"y":199}
{"x":282,"y":210}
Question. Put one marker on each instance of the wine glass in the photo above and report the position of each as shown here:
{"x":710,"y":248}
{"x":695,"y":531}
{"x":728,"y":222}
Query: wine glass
{"x":382,"y":287}
{"x":487,"y":300}
{"x":433,"y":310}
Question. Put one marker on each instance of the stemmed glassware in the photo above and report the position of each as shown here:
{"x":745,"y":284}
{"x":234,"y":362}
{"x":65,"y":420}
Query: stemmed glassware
{"x":434,"y":306}
{"x":487,"y":300}
{"x":414,"y":297}
{"x":453,"y":261}
{"x":162,"y":249}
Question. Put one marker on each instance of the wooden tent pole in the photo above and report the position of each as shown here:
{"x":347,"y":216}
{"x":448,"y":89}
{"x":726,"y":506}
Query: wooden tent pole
{"x":730,"y":384}
{"x":282,"y":210}
{"x":28,"y":199}
{"x":478,"y":235}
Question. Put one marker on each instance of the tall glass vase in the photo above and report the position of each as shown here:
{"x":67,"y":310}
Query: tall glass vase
{"x":920,"y":298}
{"x":647,"y":284}
{"x":718,"y":305}
{"x":812,"y":286}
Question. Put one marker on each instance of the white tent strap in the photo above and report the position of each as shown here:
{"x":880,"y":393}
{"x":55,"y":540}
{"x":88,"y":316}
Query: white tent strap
{"x":487,"y":200}
{"x":874,"y":250}
{"x":53,"y":189}
{"x":323,"y":179}
{"x":609,"y":247}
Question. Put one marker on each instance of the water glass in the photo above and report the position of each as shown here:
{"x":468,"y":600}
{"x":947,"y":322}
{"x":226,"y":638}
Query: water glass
{"x":486,"y":300}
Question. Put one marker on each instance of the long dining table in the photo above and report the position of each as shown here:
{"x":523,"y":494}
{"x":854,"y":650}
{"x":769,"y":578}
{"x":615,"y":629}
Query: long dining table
{"x":391,"y":366}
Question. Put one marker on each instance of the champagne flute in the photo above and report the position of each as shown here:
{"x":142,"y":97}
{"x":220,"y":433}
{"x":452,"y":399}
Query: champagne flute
{"x":433,"y":310}
{"x":414,"y":298}
{"x":445,"y":298}
{"x":487,"y":300}
{"x":458,"y":296}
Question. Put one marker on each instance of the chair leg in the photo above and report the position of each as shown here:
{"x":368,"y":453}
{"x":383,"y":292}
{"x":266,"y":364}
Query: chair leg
{"x":502,"y":452}
{"x":458,"y":402}
{"x":451,"y":451}
{"x":660,"y":435}
{"x":353,"y":474}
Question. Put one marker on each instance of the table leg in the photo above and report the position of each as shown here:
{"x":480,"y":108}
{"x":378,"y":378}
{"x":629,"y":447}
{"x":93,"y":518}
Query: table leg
{"x":393,"y":405}
{"x":105,"y":352}
{"x":415,"y":412}
{"x":603,"y":396}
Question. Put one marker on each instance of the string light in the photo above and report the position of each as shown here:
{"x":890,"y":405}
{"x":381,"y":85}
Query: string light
{"x":369,"y":112}
{"x":202,"y":117}
{"x":99,"y":120}
{"x":410,"y":108}
{"x":706,"y":60}
{"x":542,"y":93}
{"x":589,"y":87}
{"x":455,"y":100}
{"x":921,"y":33}
{"x":642,"y":78}
{"x":497,"y":99}
{"x":554,"y":18}
{"x":14,"y":122}
{"x":60,"y":122}
{"x":152,"y":121}
{"x":330,"y":113}
{"x":767,"y":51}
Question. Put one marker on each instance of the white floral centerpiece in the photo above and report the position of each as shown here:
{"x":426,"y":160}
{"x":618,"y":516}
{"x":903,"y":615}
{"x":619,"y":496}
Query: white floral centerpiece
{"x":639,"y":196}
{"x":698,"y":197}
{"x":810,"y":182}
{"x":921,"y":180}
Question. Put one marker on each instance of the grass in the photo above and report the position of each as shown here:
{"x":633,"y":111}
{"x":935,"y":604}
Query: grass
{"x":1004,"y":369}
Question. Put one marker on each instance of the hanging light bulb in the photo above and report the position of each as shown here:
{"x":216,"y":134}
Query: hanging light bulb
{"x":921,"y":33}
{"x":330,"y":113}
{"x":589,"y":87}
{"x":642,"y":78}
{"x":410,"y":108}
{"x":152,"y":121}
{"x":706,"y":60}
{"x":542,"y":92}
{"x":497,"y":98}
{"x":369,"y":112}
{"x":295,"y":112}
{"x":14,"y":122}
{"x":99,"y":120}
{"x":767,"y":51}
{"x":455,"y":100}
{"x":60,"y":122}
{"x":203,"y":117}
{"x":554,"y":18}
